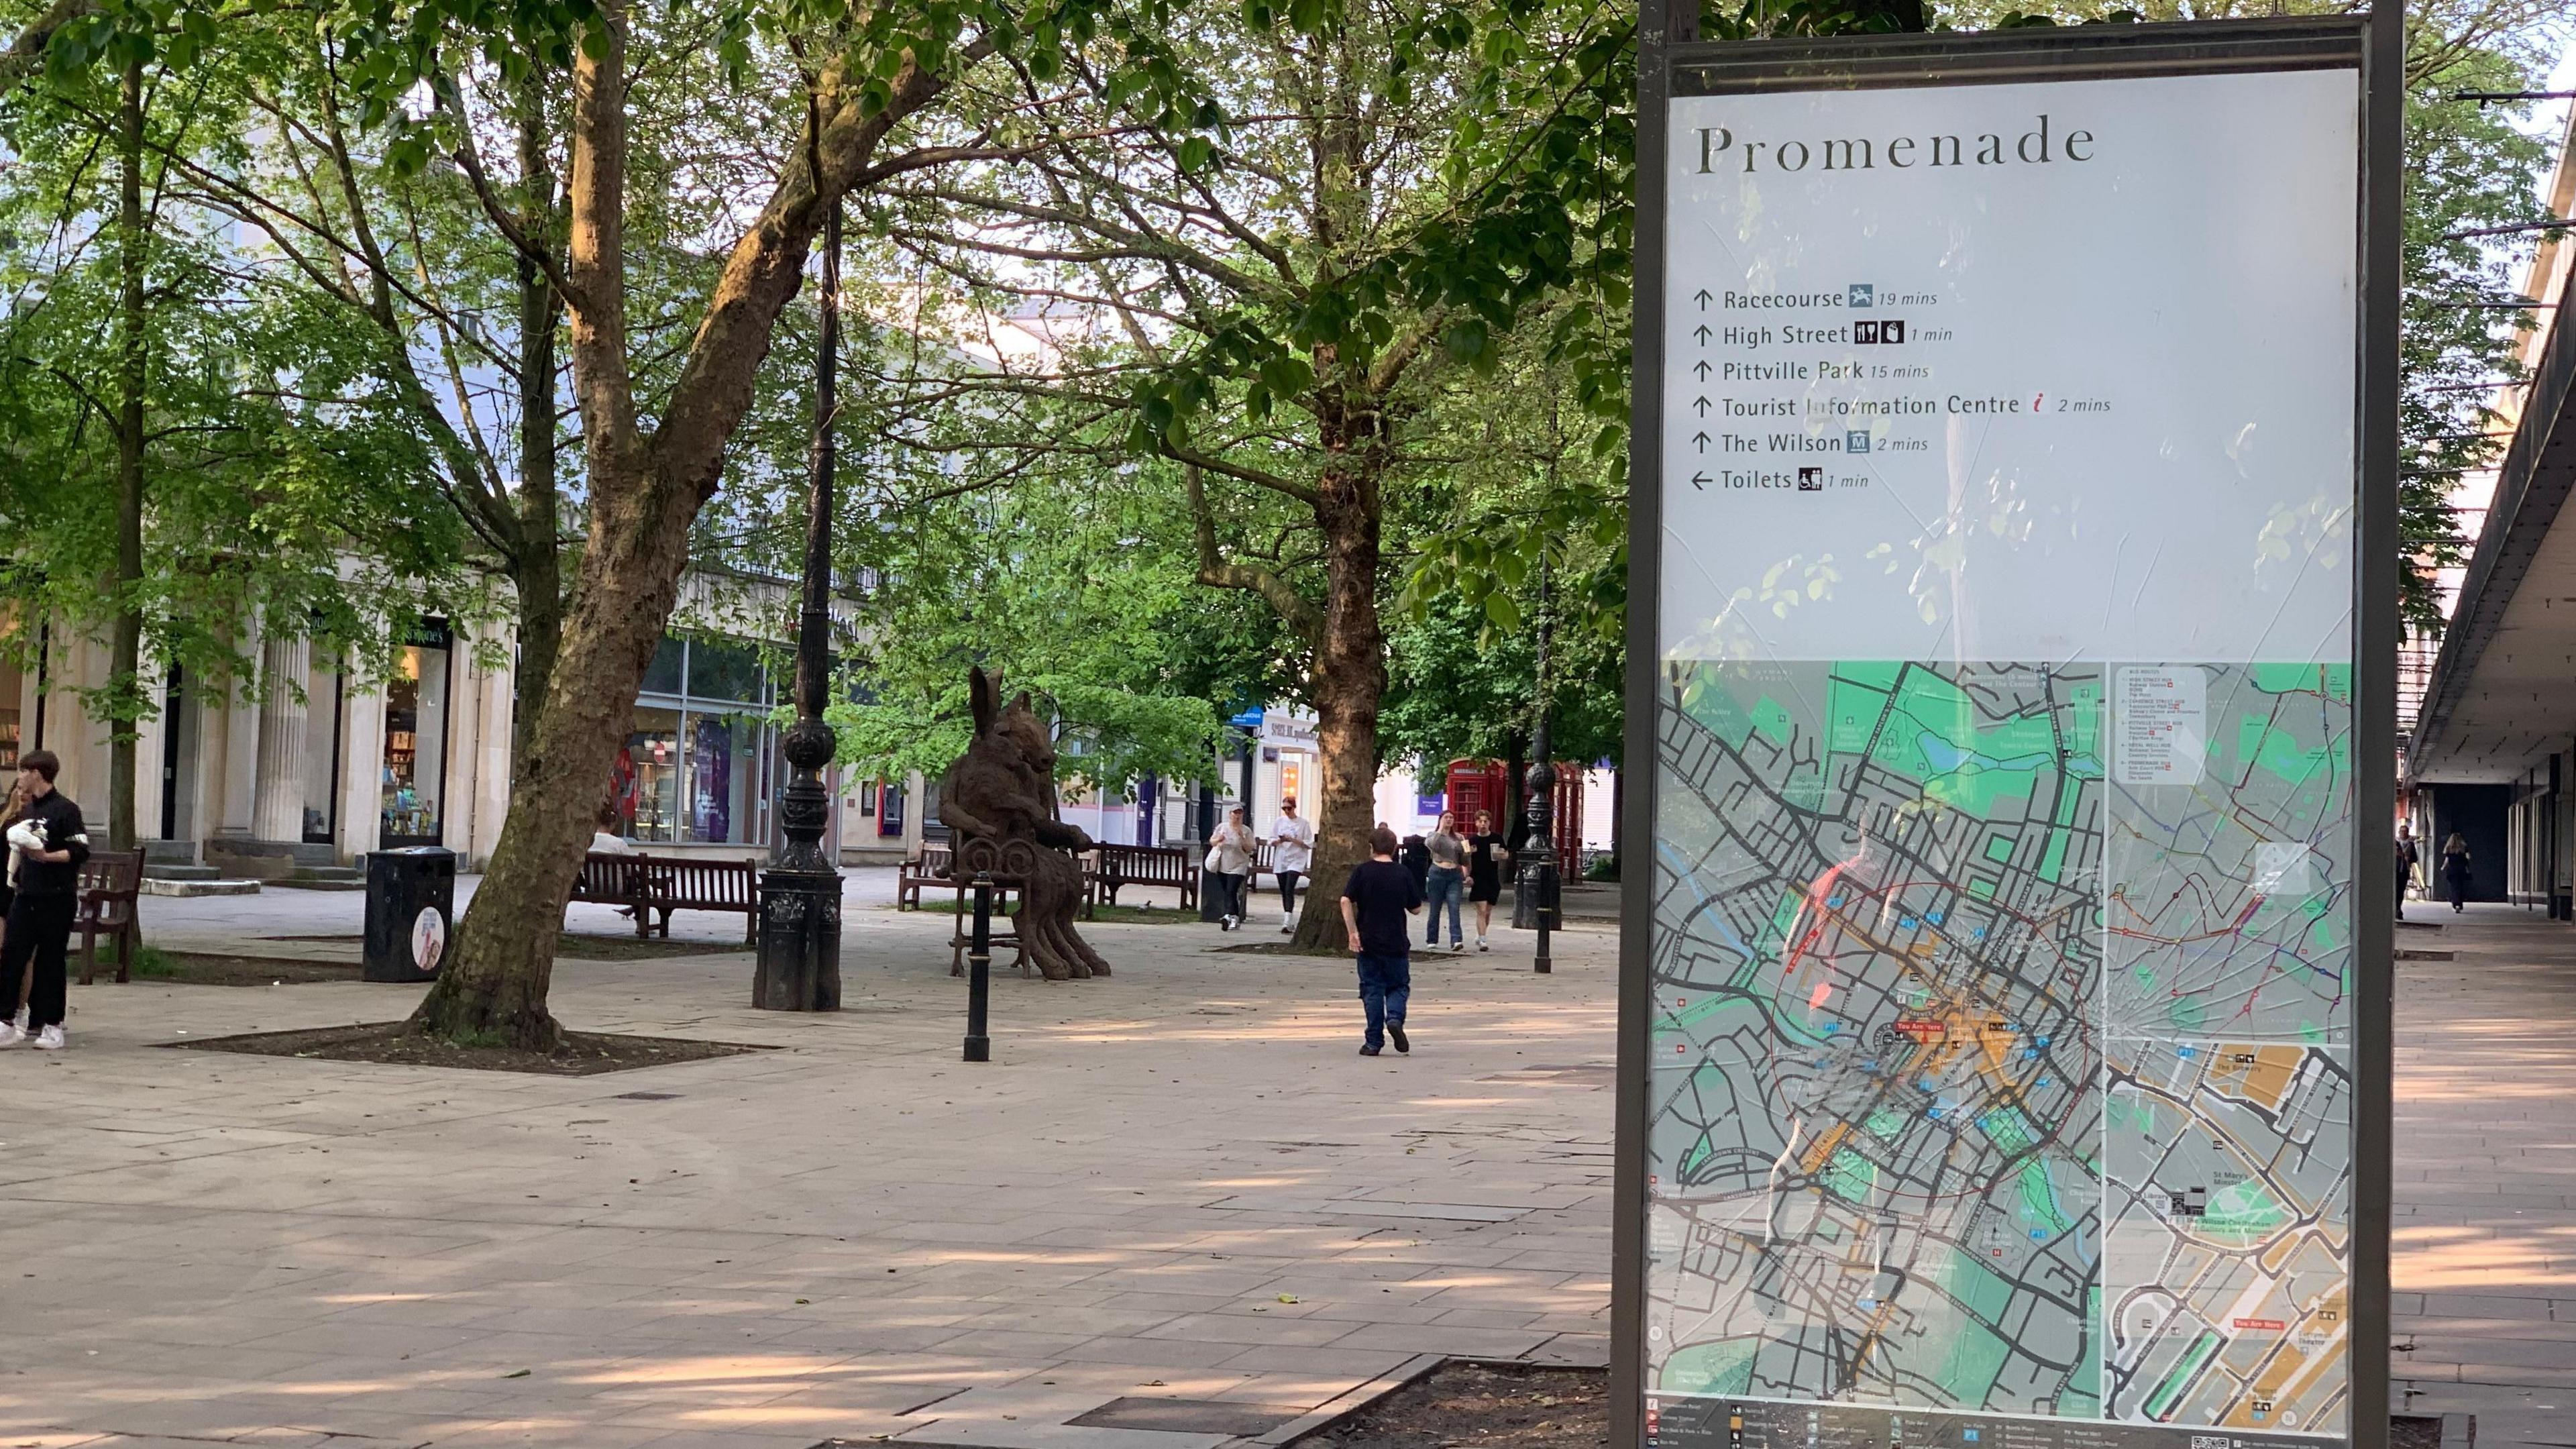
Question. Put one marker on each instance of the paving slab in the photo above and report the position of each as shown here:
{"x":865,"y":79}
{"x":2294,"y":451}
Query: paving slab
{"x":802,"y":1244}
{"x":1180,"y":1182}
{"x":2484,"y":1251}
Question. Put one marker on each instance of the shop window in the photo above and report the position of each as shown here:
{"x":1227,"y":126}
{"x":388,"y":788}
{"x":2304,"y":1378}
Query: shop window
{"x":413,"y":776}
{"x":662,"y":676}
{"x":722,"y":670}
{"x":648,"y":777}
{"x":321,"y":746}
{"x":696,"y":761}
{"x":724,"y":777}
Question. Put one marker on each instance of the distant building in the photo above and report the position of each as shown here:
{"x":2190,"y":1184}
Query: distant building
{"x":311,"y":765}
{"x":2492,"y":749}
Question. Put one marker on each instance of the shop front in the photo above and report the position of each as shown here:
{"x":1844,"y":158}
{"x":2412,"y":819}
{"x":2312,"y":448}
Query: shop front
{"x":700,"y":765}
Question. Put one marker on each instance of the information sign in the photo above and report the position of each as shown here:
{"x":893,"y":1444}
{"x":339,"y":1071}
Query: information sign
{"x":2005,"y":1046}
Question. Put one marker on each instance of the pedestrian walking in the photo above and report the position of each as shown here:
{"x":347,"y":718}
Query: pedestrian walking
{"x":1486,"y":856}
{"x":1292,"y":851}
{"x":2455,"y":870}
{"x":1448,"y":879}
{"x":51,"y":843}
{"x":1229,"y":859}
{"x":2407,"y":857}
{"x":1375,"y":900}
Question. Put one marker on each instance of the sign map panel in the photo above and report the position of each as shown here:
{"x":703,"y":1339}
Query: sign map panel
{"x":2001,"y":1076}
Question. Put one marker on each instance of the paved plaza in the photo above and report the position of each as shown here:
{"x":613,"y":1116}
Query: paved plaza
{"x":2485,"y":1213}
{"x":1180,"y":1182}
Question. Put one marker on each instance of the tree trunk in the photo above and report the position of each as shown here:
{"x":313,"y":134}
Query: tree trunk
{"x":536,"y":567}
{"x":494,"y":992}
{"x":644,"y":490}
{"x":1350,"y":679}
{"x":125,"y":703}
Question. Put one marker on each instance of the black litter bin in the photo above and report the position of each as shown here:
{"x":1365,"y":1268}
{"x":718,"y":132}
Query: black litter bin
{"x":411,"y":912}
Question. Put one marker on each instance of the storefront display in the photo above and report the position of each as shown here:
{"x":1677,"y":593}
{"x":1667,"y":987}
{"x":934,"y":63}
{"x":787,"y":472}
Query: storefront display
{"x":413,"y":776}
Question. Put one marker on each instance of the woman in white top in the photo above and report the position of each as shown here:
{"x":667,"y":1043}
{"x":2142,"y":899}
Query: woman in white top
{"x":1292,"y":850}
{"x":1229,"y":859}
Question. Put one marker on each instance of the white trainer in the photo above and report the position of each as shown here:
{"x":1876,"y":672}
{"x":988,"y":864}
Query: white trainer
{"x":50,"y":1039}
{"x":10,"y":1035}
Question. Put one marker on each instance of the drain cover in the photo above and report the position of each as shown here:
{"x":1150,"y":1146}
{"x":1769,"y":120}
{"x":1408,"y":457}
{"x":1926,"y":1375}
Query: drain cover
{"x":1188,"y":1416}
{"x":648,"y":1096}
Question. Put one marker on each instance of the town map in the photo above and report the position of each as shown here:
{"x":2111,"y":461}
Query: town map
{"x":2000,"y":1057}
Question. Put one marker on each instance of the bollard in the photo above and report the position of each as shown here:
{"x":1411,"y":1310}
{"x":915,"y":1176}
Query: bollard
{"x":979,"y":972}
{"x":1544,"y":880}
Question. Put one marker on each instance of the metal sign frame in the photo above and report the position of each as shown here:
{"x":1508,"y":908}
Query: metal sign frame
{"x":1673,"y":60}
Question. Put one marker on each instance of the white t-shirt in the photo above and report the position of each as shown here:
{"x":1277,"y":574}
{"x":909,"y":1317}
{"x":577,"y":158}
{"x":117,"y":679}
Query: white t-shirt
{"x":1232,"y":849}
{"x":1293,"y":840}
{"x":603,"y":843}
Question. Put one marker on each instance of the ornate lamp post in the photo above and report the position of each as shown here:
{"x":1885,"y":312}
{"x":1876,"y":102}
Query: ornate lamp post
{"x":800,"y":914}
{"x":1538,"y":882}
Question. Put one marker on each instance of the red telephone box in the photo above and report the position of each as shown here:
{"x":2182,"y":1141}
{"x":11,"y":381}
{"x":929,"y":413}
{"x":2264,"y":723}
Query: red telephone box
{"x":1487,"y":785}
{"x":1480,"y":785}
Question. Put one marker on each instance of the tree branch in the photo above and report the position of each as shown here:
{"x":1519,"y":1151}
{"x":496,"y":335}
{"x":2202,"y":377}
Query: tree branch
{"x":1302,"y":618}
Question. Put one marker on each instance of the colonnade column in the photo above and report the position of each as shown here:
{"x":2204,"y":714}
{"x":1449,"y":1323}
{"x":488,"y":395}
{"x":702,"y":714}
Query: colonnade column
{"x":285,"y":670}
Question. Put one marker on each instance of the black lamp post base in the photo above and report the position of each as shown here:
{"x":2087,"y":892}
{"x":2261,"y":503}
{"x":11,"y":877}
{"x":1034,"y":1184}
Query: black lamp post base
{"x":800,"y":942}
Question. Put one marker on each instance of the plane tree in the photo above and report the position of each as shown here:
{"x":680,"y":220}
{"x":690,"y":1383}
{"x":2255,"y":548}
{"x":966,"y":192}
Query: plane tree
{"x":1278,"y":300}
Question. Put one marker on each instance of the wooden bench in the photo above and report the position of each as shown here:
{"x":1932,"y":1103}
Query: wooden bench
{"x":1119,"y":866}
{"x":931,"y":869}
{"x":109,"y":882}
{"x":610,"y":879}
{"x":646,"y":884}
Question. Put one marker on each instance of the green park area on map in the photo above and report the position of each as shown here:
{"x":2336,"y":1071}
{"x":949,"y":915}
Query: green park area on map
{"x":1998,"y":1061}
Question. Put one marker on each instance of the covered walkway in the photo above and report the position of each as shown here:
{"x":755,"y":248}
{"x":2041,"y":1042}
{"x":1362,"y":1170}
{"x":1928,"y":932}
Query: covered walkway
{"x":2485,"y":1212}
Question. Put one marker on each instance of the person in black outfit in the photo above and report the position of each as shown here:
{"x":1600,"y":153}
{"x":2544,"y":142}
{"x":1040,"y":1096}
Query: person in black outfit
{"x":1417,"y":859}
{"x":51,"y":843}
{"x":1375,"y":901}
{"x":2455,"y":870}
{"x":1486,"y":852}
{"x":2407,"y":856}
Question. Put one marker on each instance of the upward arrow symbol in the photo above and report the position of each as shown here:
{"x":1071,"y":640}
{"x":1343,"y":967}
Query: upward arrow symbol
{"x":1702,"y":369}
{"x":1702,"y":440}
{"x":1703,"y":299}
{"x":1702,"y":405}
{"x":1702,"y":333}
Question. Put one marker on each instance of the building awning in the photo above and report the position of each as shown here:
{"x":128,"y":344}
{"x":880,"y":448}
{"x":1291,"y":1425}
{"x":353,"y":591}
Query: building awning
{"x":2502,"y":693}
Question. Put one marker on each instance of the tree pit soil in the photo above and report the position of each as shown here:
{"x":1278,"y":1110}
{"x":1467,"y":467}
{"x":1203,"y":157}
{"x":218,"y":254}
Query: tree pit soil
{"x":1507,"y":1406}
{"x":1481,"y":1406}
{"x":583,"y":1053}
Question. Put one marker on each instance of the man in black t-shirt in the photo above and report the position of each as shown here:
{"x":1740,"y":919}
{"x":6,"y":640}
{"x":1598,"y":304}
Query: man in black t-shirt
{"x":1375,"y":901}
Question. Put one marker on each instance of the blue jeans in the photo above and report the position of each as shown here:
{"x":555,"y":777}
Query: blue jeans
{"x":1386,"y":983}
{"x":1444,"y":885}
